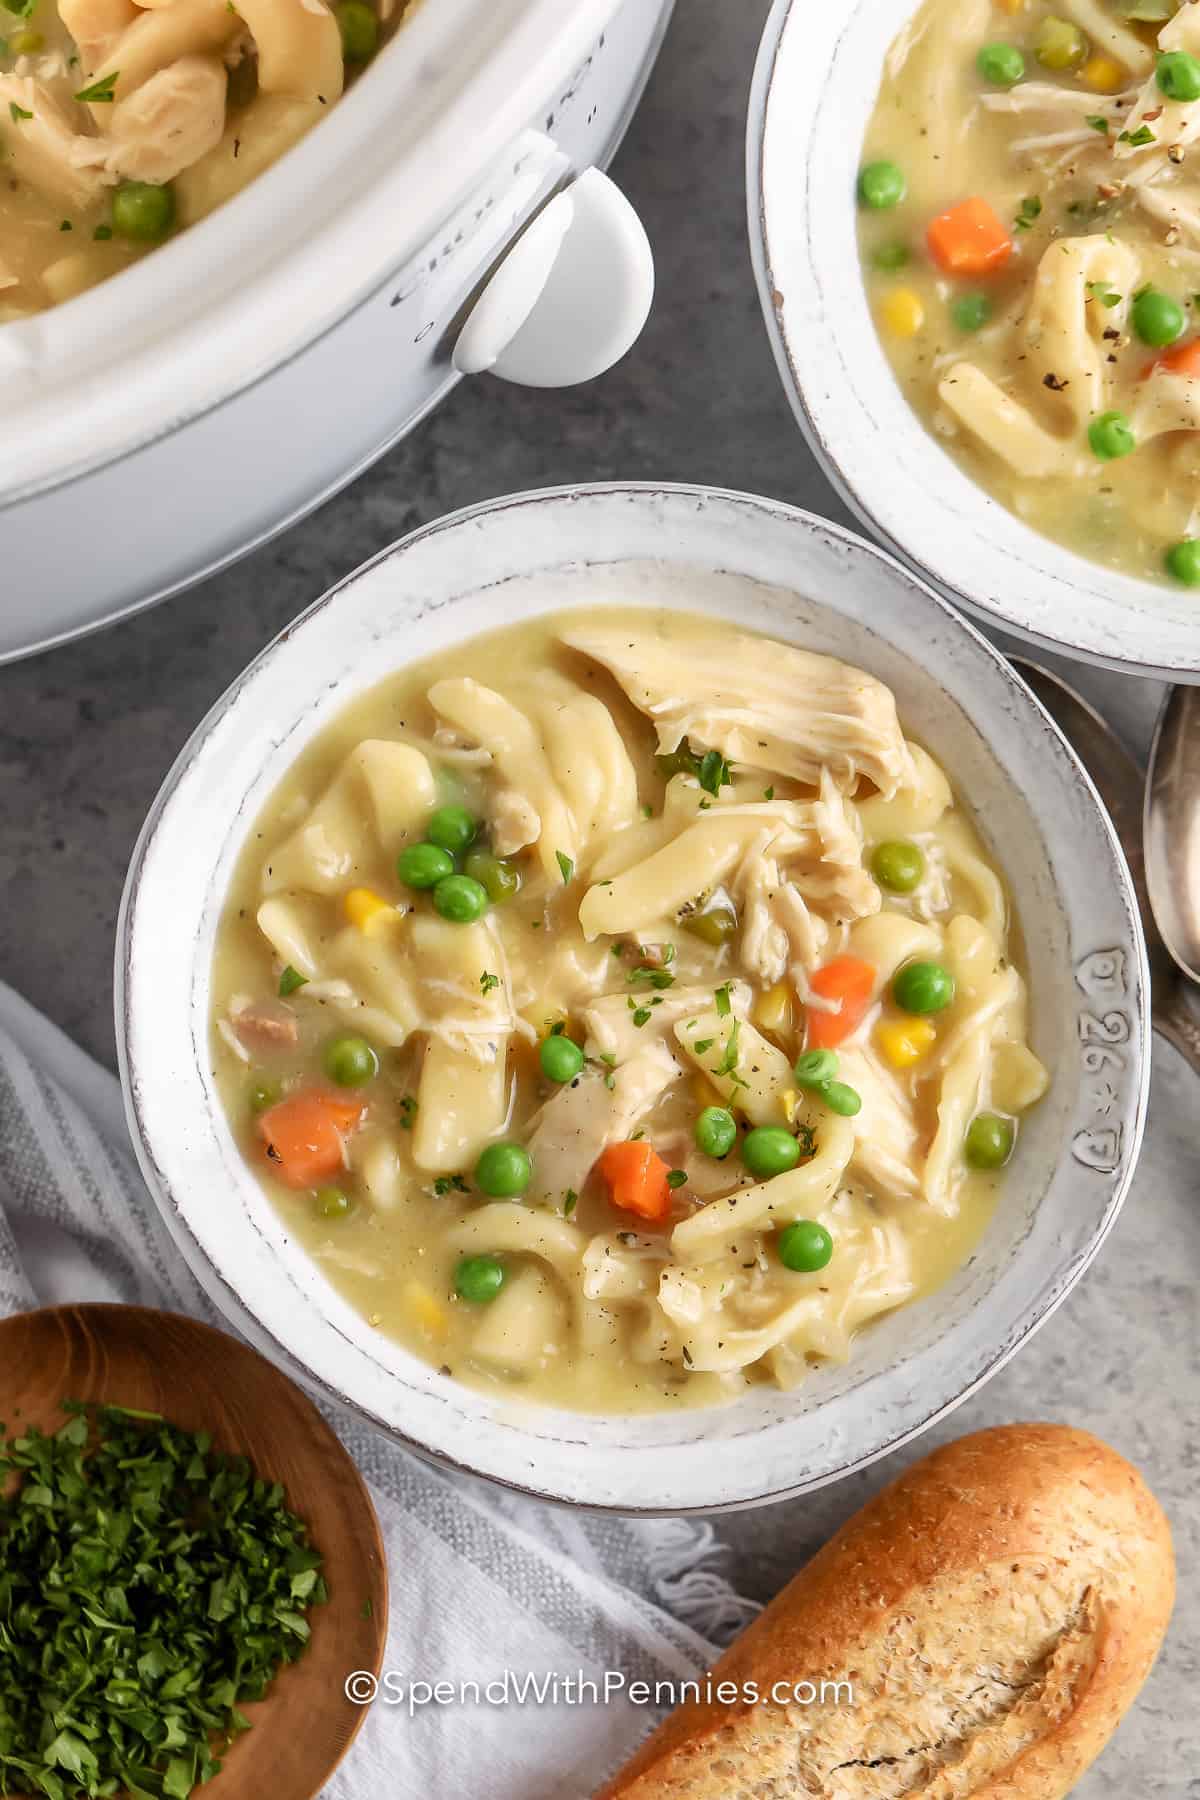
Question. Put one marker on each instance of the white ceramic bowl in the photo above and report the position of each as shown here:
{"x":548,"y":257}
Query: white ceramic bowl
{"x":814,"y":91}
{"x":778,"y":571}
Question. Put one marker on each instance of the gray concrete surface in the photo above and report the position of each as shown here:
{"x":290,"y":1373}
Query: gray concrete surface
{"x":87,"y":732}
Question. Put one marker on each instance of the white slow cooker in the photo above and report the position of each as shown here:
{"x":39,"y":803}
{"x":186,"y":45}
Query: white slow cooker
{"x":448,"y":217}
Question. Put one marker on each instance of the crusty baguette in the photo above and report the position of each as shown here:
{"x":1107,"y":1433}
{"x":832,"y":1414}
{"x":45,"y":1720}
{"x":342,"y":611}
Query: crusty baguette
{"x":995,"y":1610}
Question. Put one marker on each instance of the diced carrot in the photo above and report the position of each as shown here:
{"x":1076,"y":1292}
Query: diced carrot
{"x":637,"y":1179}
{"x":969,"y":239}
{"x":851,"y":982}
{"x":1184,"y":359}
{"x":303,"y":1135}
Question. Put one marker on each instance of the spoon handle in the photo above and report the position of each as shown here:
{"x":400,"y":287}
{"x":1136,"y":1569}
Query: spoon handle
{"x":1177,"y":1017}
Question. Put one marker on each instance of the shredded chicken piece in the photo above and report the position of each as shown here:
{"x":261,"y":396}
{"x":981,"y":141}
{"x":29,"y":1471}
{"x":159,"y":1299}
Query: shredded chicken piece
{"x":514,"y":822}
{"x":582,"y":1118}
{"x":266,"y":1025}
{"x":170,"y":122}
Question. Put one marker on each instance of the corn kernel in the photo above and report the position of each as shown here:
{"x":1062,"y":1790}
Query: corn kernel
{"x":772,"y":1011}
{"x":790,"y":1100}
{"x":1104,"y":74}
{"x":903,"y":312}
{"x":367,"y":909}
{"x":905,"y":1041}
{"x":704,"y":1093}
{"x":426,"y":1310}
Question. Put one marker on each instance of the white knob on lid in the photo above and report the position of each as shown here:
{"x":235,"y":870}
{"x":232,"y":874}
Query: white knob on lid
{"x":570,"y":297}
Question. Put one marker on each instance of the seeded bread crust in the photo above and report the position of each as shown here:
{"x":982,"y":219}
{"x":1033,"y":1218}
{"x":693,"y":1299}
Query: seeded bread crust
{"x":995,"y":1610}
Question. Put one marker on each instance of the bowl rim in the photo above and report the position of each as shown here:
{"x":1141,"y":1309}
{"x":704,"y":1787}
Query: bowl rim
{"x":288,"y":1355}
{"x":803,"y":356}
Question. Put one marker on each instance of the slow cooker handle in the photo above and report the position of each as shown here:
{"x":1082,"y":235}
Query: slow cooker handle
{"x":570,"y":297}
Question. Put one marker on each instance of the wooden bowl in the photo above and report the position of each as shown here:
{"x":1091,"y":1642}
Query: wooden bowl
{"x":202,"y":1379}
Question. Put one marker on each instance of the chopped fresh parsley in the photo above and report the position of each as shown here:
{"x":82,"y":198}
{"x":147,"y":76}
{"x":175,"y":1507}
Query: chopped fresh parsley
{"x":101,"y":92}
{"x":676,"y":1178}
{"x":1100,"y":290}
{"x":1135,"y":139}
{"x":408,"y":1112}
{"x":655,"y":978}
{"x":290,"y":980}
{"x":17,"y":113}
{"x":450,"y":1184}
{"x":1028,"y":213}
{"x":769,"y":793}
{"x":1097,"y":123}
{"x":570,"y":1202}
{"x":566,"y":866}
{"x":149,"y":1587}
{"x":703,"y":1045}
{"x":729,"y":1061}
{"x":722,"y":999}
{"x":713,"y":772}
{"x":102,"y":233}
{"x":641,"y":1015}
{"x":488,"y":982}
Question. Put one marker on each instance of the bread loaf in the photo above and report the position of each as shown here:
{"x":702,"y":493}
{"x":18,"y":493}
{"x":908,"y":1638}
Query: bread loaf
{"x":995,"y":1611}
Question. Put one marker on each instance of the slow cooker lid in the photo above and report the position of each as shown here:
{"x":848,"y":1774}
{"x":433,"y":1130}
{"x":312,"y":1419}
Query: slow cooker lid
{"x":238,"y":294}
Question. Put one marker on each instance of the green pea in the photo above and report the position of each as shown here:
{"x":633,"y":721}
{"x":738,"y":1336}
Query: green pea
{"x":1178,"y":75}
{"x":479,"y":1279}
{"x":716,"y":1131}
{"x":971,"y":312}
{"x":890,"y":257}
{"x":561,"y":1058}
{"x":331,"y":1203}
{"x":452,"y":828}
{"x":1111,"y":435}
{"x":841,"y":1098}
{"x":804,"y":1246}
{"x":500,"y":880}
{"x":1001,"y":64}
{"x":264,"y":1093}
{"x":460,"y":899}
{"x":359,"y":28}
{"x":989,"y":1141}
{"x":504,"y":1171}
{"x":1058,"y":44}
{"x":881,"y":185}
{"x":898,"y":866}
{"x":715,"y":926}
{"x":1157,"y":318}
{"x":143,"y":210}
{"x":350,"y":1061}
{"x":923,"y":987}
{"x":769,"y":1150}
{"x":1183,"y":561}
{"x":424,"y":865}
{"x":815,"y":1068}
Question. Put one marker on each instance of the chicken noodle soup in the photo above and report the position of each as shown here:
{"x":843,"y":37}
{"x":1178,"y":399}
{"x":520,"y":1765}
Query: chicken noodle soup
{"x":1030,"y":229}
{"x":120,"y":122}
{"x":620,"y":1009}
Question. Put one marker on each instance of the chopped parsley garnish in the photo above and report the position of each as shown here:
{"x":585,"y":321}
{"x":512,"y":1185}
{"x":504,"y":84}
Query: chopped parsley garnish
{"x":769,"y":793}
{"x":102,"y":233}
{"x":17,"y":113}
{"x":713,"y":772}
{"x":702,"y":1045}
{"x":408,"y":1112}
{"x":570,"y":1202}
{"x":1097,"y":122}
{"x":676,"y":1178}
{"x":722,"y":999}
{"x":1135,"y":139}
{"x":450,"y":1184}
{"x":729,"y":1061}
{"x":655,"y":978}
{"x":566,"y":866}
{"x":66,"y":225}
{"x":149,"y":1587}
{"x":101,"y":92}
{"x":488,"y":982}
{"x":290,"y":980}
{"x":1100,"y":290}
{"x":642,"y":1015}
{"x":1029,"y":212}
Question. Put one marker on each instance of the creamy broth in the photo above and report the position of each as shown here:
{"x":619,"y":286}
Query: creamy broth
{"x":182,"y":105}
{"x":1087,"y":172}
{"x":683,"y":930}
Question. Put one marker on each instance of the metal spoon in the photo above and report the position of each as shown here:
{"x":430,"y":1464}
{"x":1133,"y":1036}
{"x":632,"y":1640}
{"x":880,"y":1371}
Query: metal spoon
{"x":1172,"y":827}
{"x":1174,"y":1001}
